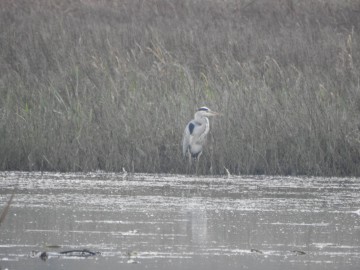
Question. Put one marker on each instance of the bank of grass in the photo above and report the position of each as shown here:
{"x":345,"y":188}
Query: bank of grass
{"x":87,"y":85}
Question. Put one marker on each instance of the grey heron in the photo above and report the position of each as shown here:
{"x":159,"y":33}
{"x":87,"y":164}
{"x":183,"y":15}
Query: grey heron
{"x":196,"y":132}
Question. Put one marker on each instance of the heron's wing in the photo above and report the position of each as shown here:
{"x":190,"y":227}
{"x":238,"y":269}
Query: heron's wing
{"x":188,"y":135}
{"x":200,"y":132}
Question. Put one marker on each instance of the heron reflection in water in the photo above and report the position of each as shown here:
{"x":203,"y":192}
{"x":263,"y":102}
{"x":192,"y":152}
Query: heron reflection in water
{"x":195,"y":134}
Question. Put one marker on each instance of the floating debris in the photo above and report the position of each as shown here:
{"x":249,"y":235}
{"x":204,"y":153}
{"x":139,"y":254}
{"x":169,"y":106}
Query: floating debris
{"x":80,"y":253}
{"x":53,"y":246}
{"x":132,"y":256}
{"x":298,"y":252}
{"x":256,"y":250}
{"x":132,"y":261}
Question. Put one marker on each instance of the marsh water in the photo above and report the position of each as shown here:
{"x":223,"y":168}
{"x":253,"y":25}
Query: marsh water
{"x":146,"y":221}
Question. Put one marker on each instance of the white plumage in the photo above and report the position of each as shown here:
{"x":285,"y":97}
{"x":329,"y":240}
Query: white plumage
{"x":195,"y":133}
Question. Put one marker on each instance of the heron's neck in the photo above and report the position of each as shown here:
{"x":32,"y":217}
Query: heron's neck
{"x":201,"y":119}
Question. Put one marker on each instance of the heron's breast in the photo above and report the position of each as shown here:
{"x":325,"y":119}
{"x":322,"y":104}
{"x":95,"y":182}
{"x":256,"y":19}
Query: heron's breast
{"x":195,"y":148}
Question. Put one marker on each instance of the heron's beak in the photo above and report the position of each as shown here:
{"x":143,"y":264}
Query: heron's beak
{"x":214,"y":113}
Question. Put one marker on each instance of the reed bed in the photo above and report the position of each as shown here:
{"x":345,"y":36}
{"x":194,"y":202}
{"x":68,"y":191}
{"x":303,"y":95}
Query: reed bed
{"x":106,"y":85}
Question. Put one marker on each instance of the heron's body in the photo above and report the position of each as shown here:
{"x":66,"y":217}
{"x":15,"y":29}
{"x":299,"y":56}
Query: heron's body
{"x":195,"y":133}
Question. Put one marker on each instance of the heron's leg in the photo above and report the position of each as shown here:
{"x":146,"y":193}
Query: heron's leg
{"x":197,"y":159}
{"x":189,"y":164}
{"x":196,"y":166}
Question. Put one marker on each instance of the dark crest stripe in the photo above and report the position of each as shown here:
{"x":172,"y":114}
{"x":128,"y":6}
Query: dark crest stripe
{"x":203,"y":109}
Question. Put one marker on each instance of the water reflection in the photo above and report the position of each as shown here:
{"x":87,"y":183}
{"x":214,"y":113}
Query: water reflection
{"x":177,"y":222}
{"x":196,"y":226}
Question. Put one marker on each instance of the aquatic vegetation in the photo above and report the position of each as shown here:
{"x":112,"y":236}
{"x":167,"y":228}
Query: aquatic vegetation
{"x":89,"y":85}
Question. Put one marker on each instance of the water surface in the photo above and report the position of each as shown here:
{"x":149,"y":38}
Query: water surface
{"x":179,"y":222}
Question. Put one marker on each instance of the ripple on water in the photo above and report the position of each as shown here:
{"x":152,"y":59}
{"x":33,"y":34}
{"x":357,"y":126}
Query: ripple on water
{"x":177,"y":221}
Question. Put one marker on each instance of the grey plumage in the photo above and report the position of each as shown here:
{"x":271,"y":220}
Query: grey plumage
{"x":195,"y":133}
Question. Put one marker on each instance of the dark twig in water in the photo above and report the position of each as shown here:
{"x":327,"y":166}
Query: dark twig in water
{"x":6,"y":209}
{"x":298,"y":252}
{"x":81,"y":253}
{"x":256,"y":250}
{"x":77,"y":252}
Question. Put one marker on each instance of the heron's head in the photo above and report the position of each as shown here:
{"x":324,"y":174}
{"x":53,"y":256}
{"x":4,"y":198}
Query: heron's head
{"x":205,"y":111}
